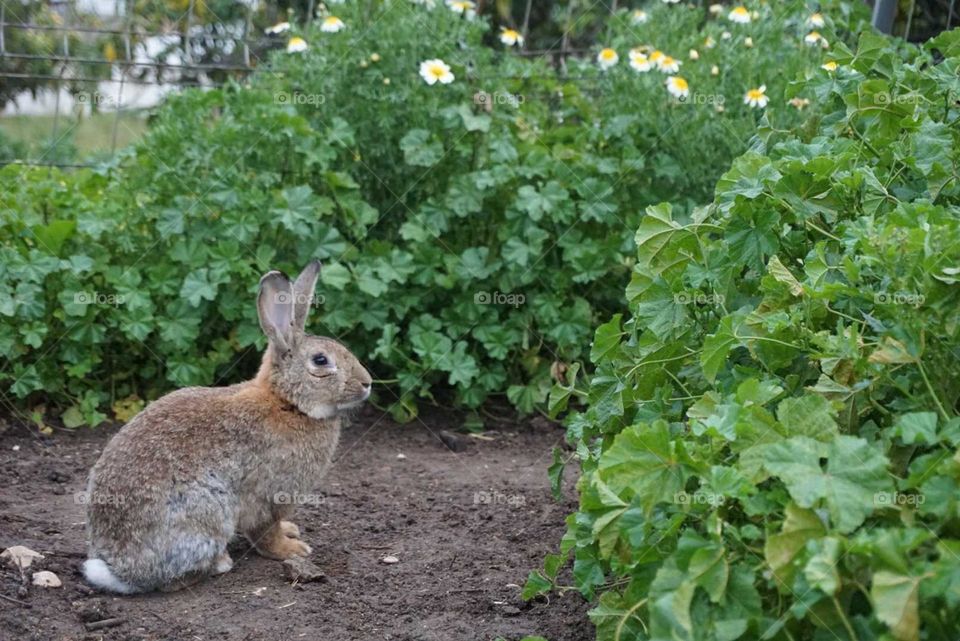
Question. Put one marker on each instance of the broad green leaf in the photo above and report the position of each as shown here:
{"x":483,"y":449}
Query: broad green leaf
{"x":779,"y":271}
{"x":821,"y":570}
{"x":780,"y":550}
{"x":808,"y":415}
{"x":643,"y":459}
{"x":855,"y":473}
{"x":896,"y":602}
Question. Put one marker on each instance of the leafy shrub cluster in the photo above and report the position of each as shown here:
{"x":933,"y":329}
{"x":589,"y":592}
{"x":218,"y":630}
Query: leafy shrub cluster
{"x":770,"y":447}
{"x":472,"y":232}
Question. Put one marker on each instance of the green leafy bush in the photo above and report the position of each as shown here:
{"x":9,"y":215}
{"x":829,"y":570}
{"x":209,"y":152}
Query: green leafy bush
{"x":770,"y":447}
{"x":472,"y":232}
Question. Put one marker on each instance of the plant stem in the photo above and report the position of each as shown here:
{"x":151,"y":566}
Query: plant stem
{"x":933,"y":393}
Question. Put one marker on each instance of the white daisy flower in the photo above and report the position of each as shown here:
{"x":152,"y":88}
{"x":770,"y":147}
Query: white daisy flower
{"x":726,"y":35}
{"x":655,"y":56}
{"x":434,"y":71}
{"x":666,"y":64}
{"x":816,"y":20}
{"x":671,"y":1}
{"x":639,"y":17}
{"x":296,"y":45}
{"x":739,"y":15}
{"x":511,"y":37}
{"x":814,"y":38}
{"x":748,"y":42}
{"x":829,"y":66}
{"x":694,"y":54}
{"x":463,"y":7}
{"x":716,"y":9}
{"x":639,"y":61}
{"x":757,"y":97}
{"x":332,"y":24}
{"x":280,"y":27}
{"x":678,"y":87}
{"x":607,"y":58}
{"x":714,"y":70}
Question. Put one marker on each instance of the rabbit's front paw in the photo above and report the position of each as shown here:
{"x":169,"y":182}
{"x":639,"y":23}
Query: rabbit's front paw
{"x":285,"y":547}
{"x":289,"y":529}
{"x":278,"y":542}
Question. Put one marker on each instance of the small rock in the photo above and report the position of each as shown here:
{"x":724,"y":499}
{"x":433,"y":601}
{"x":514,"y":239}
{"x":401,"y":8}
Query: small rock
{"x":453,"y":441}
{"x":510,"y":611}
{"x":46,"y":579}
{"x":16,"y":448}
{"x":301,"y":570}
{"x":401,"y":456}
{"x":20,"y":556}
{"x":390,"y":559}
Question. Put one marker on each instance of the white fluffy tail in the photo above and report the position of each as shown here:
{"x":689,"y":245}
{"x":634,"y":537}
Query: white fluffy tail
{"x":98,"y":573}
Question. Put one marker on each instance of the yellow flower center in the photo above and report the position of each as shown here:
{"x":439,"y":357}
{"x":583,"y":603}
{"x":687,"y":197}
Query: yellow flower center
{"x":679,"y":83}
{"x":755,"y":94}
{"x":511,"y":33}
{"x":331,"y":21}
{"x":608,"y":54}
{"x":740,"y":12}
{"x":437,"y":71}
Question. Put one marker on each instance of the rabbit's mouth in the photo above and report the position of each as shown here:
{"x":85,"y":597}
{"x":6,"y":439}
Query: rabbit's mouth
{"x":356,"y":402}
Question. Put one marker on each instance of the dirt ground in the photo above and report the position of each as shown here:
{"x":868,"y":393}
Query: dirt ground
{"x":466,"y":527}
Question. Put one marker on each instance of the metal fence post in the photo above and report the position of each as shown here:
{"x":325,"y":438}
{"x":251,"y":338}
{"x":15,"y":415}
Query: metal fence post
{"x":884,"y":12}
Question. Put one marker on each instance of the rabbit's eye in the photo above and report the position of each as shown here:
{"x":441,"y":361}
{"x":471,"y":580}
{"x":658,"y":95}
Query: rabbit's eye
{"x":319,"y":360}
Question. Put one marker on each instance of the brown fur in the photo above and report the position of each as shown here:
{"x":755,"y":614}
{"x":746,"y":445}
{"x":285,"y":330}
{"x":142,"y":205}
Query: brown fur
{"x":201,"y":465}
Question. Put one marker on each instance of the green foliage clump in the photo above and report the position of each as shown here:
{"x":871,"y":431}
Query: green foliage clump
{"x":770,"y":447}
{"x":473,"y":233}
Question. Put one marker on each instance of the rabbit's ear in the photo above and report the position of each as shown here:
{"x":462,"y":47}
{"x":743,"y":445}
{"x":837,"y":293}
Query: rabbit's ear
{"x":275,"y":305}
{"x":303,"y":289}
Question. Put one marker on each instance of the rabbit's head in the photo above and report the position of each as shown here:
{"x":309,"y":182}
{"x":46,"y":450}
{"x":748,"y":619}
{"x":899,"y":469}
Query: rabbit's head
{"x":317,"y":375}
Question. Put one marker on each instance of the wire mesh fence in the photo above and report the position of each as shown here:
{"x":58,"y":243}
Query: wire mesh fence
{"x":138,"y":61}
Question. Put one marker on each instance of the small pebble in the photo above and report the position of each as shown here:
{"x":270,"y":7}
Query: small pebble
{"x":46,"y":579}
{"x":390,"y":559}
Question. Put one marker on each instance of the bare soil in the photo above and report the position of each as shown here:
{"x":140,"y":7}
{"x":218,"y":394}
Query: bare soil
{"x":465,"y":527}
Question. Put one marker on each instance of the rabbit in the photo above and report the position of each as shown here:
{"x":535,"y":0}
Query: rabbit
{"x":203,"y":464}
